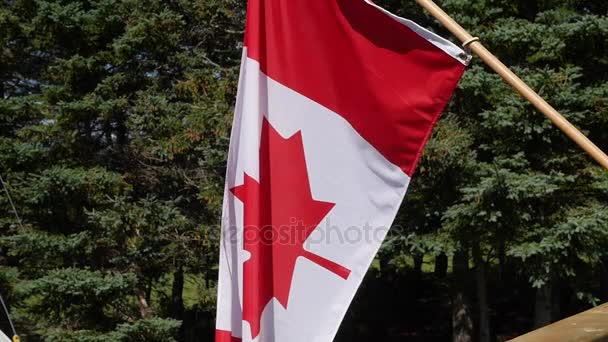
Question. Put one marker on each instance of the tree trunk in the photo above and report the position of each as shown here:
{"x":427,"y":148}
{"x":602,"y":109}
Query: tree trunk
{"x":177,"y":291}
{"x":144,"y":308}
{"x":441,"y":266}
{"x":542,"y":308}
{"x":149,"y":291}
{"x":556,"y":302}
{"x":502,"y":262}
{"x":418,"y":261}
{"x":143,"y":299}
{"x":530,"y":9}
{"x":122,"y":133}
{"x":604,"y":279}
{"x":462,"y":324}
{"x":482,"y":294}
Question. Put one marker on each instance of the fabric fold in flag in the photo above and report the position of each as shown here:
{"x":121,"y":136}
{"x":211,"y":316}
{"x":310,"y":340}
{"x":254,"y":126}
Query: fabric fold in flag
{"x":336,"y":101}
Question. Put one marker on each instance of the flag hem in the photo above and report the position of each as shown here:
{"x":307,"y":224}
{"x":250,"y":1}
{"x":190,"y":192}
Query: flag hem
{"x":445,"y":45}
{"x":450,"y":86}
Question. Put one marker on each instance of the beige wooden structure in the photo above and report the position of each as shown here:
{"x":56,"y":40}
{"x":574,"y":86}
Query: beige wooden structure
{"x":589,"y":326}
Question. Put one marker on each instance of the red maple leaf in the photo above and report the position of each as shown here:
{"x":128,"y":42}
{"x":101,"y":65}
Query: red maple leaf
{"x":279,"y":215}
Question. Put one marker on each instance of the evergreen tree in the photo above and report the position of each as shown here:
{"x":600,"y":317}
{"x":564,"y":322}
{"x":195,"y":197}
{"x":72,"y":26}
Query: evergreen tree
{"x":532,"y":205}
{"x":113,"y":137}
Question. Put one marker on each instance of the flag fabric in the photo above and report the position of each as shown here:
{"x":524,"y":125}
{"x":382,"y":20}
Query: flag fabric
{"x":4,"y":338}
{"x":336,"y":101}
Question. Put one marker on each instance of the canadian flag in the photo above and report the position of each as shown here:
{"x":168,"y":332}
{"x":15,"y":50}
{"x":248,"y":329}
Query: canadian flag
{"x":336,"y":101}
{"x":4,"y":338}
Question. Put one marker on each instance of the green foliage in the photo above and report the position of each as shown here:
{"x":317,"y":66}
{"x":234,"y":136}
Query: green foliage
{"x":497,"y":176}
{"x":531,"y":182}
{"x":578,"y":240}
{"x":74,"y":297}
{"x":145,"y":330}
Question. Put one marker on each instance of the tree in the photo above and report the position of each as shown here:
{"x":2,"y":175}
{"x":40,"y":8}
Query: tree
{"x":113,"y":140}
{"x":526,"y":201}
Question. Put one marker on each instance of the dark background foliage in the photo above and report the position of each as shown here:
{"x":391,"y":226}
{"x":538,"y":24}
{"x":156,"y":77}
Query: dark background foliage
{"x":114,"y":123}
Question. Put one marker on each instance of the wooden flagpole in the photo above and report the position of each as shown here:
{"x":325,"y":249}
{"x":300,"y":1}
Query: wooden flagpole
{"x":512,"y":79}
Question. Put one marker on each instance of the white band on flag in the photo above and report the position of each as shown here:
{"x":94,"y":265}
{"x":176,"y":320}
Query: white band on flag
{"x":4,"y":338}
{"x":336,"y":100}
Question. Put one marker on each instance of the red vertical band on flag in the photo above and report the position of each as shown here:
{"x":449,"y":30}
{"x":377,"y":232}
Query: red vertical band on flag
{"x":225,"y":336}
{"x":387,"y":81}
